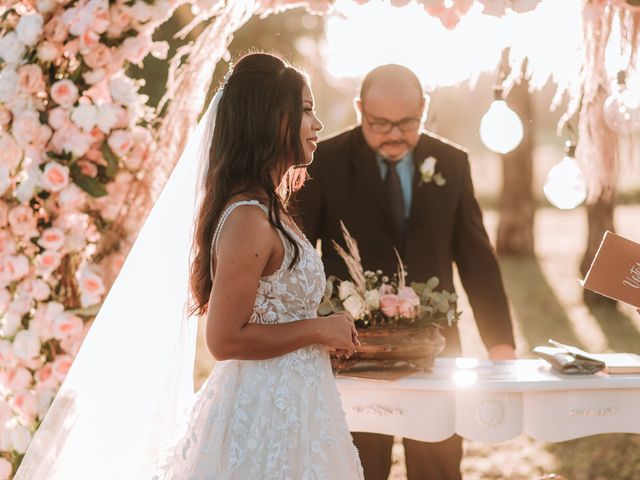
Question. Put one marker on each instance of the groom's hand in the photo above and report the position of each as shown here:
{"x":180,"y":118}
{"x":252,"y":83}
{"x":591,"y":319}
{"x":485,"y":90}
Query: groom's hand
{"x":502,"y":351}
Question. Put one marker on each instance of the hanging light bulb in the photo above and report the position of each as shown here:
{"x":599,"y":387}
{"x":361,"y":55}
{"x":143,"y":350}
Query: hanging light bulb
{"x":622,"y":108}
{"x":500,"y":128}
{"x":565,"y":186}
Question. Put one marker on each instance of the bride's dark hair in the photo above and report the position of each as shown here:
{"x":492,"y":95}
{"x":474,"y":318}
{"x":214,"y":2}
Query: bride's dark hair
{"x":257,"y":132}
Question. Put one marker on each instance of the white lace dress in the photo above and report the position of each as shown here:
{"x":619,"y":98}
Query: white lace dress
{"x":279,"y":418}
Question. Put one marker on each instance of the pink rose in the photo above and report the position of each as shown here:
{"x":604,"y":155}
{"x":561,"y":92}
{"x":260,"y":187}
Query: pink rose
{"x":7,"y":244}
{"x":51,"y":239}
{"x":61,"y":366}
{"x":89,"y":40}
{"x":386,"y":289}
{"x":59,"y":118}
{"x":22,"y":221}
{"x":21,"y":304}
{"x":64,"y":93}
{"x":71,"y":198}
{"x":49,"y":52}
{"x":55,"y":177}
{"x":48,"y":261}
{"x":10,"y":151}
{"x":389,"y":304}
{"x":87,"y":168}
{"x":25,"y":405}
{"x":409,"y":302}
{"x":120,"y":142}
{"x":7,"y":358}
{"x":72,"y":345}
{"x":120,"y":20}
{"x":16,"y":267}
{"x":26,"y":127}
{"x":97,"y":57}
{"x":45,"y":378}
{"x":55,"y":30}
{"x":66,"y":325}
{"x":31,"y":79}
{"x":91,"y":288}
{"x":76,"y":141}
{"x":35,"y":288}
{"x":16,"y":378}
{"x":42,"y":322}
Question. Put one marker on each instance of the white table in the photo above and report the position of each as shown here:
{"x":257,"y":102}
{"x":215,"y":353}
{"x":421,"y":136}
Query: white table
{"x":493,"y":402}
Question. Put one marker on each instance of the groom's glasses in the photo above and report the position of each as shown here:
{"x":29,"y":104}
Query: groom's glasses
{"x":409,"y":124}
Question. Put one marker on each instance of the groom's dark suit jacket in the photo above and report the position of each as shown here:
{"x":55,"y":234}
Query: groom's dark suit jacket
{"x":445,"y":225}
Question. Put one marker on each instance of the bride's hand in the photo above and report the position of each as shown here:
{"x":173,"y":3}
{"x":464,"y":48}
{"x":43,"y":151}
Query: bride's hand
{"x":338,"y":332}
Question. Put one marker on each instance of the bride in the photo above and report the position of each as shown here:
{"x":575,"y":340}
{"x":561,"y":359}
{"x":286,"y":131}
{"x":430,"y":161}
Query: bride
{"x":270,"y":408}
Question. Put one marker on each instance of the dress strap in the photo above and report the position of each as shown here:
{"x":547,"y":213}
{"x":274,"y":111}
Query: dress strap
{"x":223,"y":218}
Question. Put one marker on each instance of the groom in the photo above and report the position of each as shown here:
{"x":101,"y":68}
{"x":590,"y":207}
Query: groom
{"x":380,"y":179}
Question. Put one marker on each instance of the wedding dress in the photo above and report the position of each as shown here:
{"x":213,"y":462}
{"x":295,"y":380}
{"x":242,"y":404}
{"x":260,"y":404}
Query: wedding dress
{"x":279,"y":418}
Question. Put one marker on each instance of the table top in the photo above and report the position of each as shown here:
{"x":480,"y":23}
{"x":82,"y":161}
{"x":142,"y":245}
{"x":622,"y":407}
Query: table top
{"x":522,"y":375}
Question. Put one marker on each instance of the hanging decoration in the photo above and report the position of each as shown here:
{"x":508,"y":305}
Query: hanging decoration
{"x":565,"y":186}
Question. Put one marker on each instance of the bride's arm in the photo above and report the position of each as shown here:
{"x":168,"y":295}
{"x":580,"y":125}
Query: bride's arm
{"x":246,"y":247}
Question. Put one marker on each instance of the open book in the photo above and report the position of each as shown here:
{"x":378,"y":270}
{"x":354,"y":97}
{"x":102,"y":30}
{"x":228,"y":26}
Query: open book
{"x":568,"y":359}
{"x":615,"y":270}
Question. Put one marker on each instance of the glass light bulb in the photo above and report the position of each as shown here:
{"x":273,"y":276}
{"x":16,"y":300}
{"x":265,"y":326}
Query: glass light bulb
{"x":565,"y":186}
{"x":500,"y":128}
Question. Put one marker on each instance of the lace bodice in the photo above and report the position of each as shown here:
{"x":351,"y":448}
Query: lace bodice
{"x":285,"y":295}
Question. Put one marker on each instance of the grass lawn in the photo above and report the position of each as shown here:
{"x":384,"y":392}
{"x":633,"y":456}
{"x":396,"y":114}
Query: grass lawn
{"x":546,"y":301}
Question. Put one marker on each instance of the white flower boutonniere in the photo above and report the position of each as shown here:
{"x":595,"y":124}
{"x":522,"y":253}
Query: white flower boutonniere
{"x":428,"y":172}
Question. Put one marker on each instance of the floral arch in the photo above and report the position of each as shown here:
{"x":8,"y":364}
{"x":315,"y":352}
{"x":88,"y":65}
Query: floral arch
{"x":82,"y":157}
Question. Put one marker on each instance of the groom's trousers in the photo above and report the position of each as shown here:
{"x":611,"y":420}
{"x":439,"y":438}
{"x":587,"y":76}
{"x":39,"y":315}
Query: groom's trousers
{"x":424,"y":460}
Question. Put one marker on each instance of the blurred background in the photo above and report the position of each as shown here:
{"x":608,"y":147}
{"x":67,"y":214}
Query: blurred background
{"x":541,"y":272}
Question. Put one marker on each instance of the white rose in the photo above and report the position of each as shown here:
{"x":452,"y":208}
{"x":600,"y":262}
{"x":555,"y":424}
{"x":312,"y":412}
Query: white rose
{"x":346,"y":289}
{"x":26,"y":345}
{"x":372,"y":299}
{"x":12,"y":50}
{"x":108,"y":115}
{"x":46,"y":6}
{"x":29,"y":29}
{"x":355,"y":306}
{"x":94,"y":76}
{"x":10,"y":151}
{"x":10,"y":324}
{"x":5,"y":299}
{"x":25,"y":190}
{"x":428,"y":167}
{"x":123,"y":90}
{"x":49,"y":51}
{"x":9,"y":81}
{"x":85,"y":116}
{"x":20,"y":438}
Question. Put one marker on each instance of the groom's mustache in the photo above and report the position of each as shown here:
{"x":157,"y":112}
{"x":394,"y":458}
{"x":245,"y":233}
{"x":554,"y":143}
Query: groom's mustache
{"x":397,"y":143}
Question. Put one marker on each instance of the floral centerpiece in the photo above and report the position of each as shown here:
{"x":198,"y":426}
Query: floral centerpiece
{"x":398,"y":323}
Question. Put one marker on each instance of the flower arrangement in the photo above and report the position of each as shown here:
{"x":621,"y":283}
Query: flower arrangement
{"x":374,"y":299}
{"x":398,"y":324}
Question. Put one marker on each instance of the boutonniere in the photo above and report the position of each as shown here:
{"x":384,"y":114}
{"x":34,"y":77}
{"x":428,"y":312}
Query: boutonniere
{"x":428,"y":172}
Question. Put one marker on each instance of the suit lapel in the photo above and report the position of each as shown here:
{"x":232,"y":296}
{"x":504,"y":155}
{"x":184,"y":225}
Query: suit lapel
{"x":422,"y":151}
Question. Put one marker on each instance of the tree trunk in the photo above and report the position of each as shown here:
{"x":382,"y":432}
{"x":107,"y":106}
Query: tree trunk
{"x":600,"y":219}
{"x":517,"y":208}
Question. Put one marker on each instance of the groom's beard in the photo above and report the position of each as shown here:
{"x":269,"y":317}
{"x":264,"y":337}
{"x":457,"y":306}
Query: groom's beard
{"x":395,"y":145}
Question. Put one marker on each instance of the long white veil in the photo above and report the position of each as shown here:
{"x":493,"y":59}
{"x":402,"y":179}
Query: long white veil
{"x":133,"y":375}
